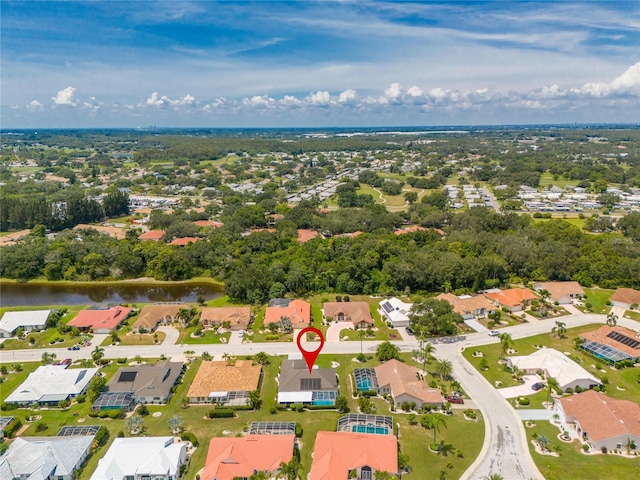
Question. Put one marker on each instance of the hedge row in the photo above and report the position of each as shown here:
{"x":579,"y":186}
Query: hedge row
{"x":221,"y":413}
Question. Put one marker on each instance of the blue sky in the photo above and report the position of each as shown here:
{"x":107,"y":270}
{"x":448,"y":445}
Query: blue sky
{"x":331,"y":63}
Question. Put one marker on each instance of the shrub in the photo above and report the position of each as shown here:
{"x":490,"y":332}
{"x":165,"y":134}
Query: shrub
{"x":116,"y":414}
{"x":189,"y":437}
{"x":471,"y":414}
{"x":81,"y":398}
{"x":93,"y":414}
{"x":102,"y":435}
{"x":524,"y":401}
{"x":120,"y":434}
{"x":298,"y":430}
{"x":103,"y":414}
{"x":143,"y":410}
{"x":603,"y":449}
{"x":299,"y":407}
{"x":578,"y":389}
{"x":13,"y":427}
{"x":369,"y":393}
{"x":362,"y":357}
{"x":41,"y":426}
{"x":585,"y":448}
{"x":221,"y":413}
{"x":273,"y":410}
{"x":122,"y":360}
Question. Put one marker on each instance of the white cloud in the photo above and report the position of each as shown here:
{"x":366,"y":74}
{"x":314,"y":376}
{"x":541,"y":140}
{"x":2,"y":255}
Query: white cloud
{"x":290,"y":100}
{"x":65,"y":97}
{"x":347,"y":96}
{"x":415,"y":91}
{"x":35,"y":105}
{"x":393,"y":92}
{"x":258,"y":101}
{"x":154,"y":101}
{"x":319,"y":98}
{"x":164,"y":101}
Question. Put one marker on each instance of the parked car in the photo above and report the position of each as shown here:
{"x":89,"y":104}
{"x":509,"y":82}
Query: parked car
{"x":494,"y":333}
{"x":75,"y":347}
{"x":408,"y":330}
{"x":66,"y":361}
{"x":241,"y":333}
{"x":455,"y":399}
{"x":538,"y":386}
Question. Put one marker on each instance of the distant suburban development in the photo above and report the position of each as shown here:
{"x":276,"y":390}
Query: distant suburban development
{"x":477,"y":293}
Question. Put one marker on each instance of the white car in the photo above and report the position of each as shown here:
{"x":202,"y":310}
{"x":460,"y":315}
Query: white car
{"x":494,"y":333}
{"x":240,"y":333}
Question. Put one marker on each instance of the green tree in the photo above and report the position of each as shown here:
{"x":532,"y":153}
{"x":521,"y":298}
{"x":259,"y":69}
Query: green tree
{"x":411,"y":197}
{"x":134,"y":425}
{"x":444,"y":369}
{"x":387,"y":351}
{"x":560,"y":329}
{"x":48,"y":358}
{"x":612,"y":319}
{"x":97,"y":353}
{"x":433,"y":317}
{"x":433,"y":421}
{"x":505,"y":343}
{"x":262,"y":358}
{"x":342,"y":405}
{"x":254,"y":399}
{"x":175,"y":424}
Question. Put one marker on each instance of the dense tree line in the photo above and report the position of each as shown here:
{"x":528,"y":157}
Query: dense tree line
{"x":481,"y":249}
{"x":18,"y":212}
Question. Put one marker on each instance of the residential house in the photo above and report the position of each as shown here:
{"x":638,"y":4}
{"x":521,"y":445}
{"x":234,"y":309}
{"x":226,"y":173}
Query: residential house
{"x":306,"y":235}
{"x":561,"y":292}
{"x":114,"y":232}
{"x":297,"y":385}
{"x":356,"y":312}
{"x":555,"y":364}
{"x":45,"y":458}
{"x":184,"y":241}
{"x":612,"y":344}
{"x":50,"y":384}
{"x":218,"y":382}
{"x":208,"y":223}
{"x":153,"y":235}
{"x":100,"y":320}
{"x":239,"y":318}
{"x":514,"y":299}
{"x":467,"y":306}
{"x":144,"y":458}
{"x":241,"y":457}
{"x":28,"y":320}
{"x":298,"y":311}
{"x":153,"y":315}
{"x":13,"y":237}
{"x":601,"y":421}
{"x":337,"y":454}
{"x":626,"y":298}
{"x":404,"y":384}
{"x":395,"y":311}
{"x":148,"y":383}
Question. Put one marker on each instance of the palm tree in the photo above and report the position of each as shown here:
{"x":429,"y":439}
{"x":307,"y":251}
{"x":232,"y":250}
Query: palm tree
{"x":288,"y":471}
{"x":445,"y":449}
{"x":544,"y":296}
{"x":505,"y":342}
{"x":206,"y":356}
{"x":48,"y":358}
{"x":361,"y":335}
{"x":630,"y":445}
{"x":226,"y":357}
{"x":444,"y":369}
{"x":97,"y":353}
{"x":612,"y":319}
{"x":560,"y":329}
{"x":543,"y":442}
{"x":387,"y":351}
{"x":493,"y":476}
{"x":435,"y":421}
{"x":254,"y":399}
{"x":427,"y":353}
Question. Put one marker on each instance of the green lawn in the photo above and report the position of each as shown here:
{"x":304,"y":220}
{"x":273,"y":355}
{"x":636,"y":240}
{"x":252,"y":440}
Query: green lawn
{"x":546,"y":179}
{"x":209,"y":336}
{"x":598,"y":297}
{"x":633,"y":315}
{"x":626,"y":379}
{"x":574,"y":465}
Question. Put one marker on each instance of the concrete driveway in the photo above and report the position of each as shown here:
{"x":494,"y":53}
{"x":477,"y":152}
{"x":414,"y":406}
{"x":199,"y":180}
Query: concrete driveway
{"x":572,"y":309}
{"x":521,"y":390}
{"x":333,"y":332}
{"x":476,"y":325}
{"x":172,"y":334}
{"x":235,"y":339}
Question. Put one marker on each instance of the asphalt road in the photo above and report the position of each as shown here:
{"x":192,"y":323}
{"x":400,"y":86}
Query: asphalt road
{"x":505,"y":448}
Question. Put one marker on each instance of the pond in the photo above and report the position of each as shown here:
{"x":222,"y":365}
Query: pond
{"x":31,"y":294}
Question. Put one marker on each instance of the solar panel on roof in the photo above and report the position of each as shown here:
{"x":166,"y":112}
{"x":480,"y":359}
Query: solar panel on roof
{"x":625,"y":340}
{"x":307,"y":384}
{"x":387,"y":307}
{"x":127,"y":376}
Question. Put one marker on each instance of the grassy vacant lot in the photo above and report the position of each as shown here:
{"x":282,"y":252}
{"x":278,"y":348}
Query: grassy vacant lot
{"x":626,"y":379}
{"x":598,"y":298}
{"x":546,"y":179}
{"x":574,"y":465}
{"x":462,"y":434}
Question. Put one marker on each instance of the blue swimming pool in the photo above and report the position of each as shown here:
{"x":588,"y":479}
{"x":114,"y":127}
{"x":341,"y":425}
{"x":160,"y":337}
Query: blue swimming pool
{"x":323,"y":402}
{"x":370,"y":429}
{"x":364,"y":384}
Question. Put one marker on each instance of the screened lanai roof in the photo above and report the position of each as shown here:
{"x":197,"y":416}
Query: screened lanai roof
{"x":113,"y":400}
{"x":605,"y":352}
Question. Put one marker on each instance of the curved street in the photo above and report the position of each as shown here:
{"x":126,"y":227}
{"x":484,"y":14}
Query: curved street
{"x":505,"y":449}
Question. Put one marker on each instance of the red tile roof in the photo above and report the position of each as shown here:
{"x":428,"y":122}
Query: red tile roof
{"x":306,"y":235}
{"x":298,"y":311}
{"x":152,"y":235}
{"x":403,"y":379}
{"x":241,"y":457}
{"x":207,"y":223}
{"x":335,"y":453}
{"x":185,"y":241}
{"x":466,"y":305}
{"x":356,"y":312}
{"x":417,"y":228}
{"x":603,"y":417}
{"x":95,"y":319}
{"x":626,"y":295}
{"x":557,"y":290}
{"x":600,"y":336}
{"x":512,"y":297}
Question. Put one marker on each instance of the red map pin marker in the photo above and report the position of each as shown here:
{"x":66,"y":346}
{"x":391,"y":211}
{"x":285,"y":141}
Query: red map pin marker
{"x":310,"y":357}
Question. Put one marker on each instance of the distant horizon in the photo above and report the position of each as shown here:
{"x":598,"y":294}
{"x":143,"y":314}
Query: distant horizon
{"x":273,"y":64}
{"x":611,"y":125}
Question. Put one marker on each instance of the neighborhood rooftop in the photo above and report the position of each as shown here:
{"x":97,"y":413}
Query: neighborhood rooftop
{"x":219,"y":377}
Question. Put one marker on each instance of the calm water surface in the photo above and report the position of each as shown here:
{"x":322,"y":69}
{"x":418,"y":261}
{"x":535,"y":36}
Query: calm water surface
{"x":16,"y":294}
